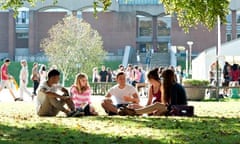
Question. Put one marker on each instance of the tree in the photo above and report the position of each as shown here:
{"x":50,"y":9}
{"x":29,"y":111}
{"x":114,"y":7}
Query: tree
{"x":73,"y":45}
{"x":189,"y":13}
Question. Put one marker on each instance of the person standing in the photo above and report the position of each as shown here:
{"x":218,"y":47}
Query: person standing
{"x":35,"y":78}
{"x":43,"y":73}
{"x":103,"y":75}
{"x":95,"y":76}
{"x":6,"y":79}
{"x":23,"y":77}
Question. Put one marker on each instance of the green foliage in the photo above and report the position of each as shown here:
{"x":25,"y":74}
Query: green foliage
{"x":190,"y":13}
{"x":194,"y":82}
{"x":73,"y":46}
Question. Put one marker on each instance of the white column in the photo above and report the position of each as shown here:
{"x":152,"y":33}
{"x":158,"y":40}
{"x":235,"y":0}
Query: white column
{"x":190,"y":43}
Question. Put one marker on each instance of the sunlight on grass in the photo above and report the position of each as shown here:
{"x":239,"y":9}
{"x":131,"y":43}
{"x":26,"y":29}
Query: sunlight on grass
{"x":215,"y":122}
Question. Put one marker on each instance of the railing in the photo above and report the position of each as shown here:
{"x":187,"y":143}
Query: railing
{"x":101,"y":88}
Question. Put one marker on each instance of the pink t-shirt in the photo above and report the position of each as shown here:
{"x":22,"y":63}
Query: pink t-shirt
{"x":4,"y":72}
{"x":80,"y":98}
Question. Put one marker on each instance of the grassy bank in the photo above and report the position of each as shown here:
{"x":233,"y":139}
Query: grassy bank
{"x":215,"y":122}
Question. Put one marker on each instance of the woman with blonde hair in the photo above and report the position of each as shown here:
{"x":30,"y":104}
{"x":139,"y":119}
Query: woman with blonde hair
{"x":81,"y":95}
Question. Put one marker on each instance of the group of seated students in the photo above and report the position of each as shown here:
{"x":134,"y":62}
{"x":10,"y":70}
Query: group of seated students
{"x":163,"y":92}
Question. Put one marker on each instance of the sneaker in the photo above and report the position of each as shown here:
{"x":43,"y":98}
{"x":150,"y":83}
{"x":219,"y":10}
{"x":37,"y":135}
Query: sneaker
{"x":75,"y":114}
{"x":32,"y":96}
{"x":70,"y":114}
{"x":123,"y":111}
{"x":18,"y":99}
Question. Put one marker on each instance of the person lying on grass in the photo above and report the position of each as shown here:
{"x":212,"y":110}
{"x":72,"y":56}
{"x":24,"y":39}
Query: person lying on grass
{"x":49,"y":102}
{"x":172,"y":94}
{"x":81,"y":95}
{"x":124,"y":94}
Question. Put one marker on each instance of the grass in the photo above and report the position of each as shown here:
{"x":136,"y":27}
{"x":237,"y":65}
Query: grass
{"x":215,"y":122}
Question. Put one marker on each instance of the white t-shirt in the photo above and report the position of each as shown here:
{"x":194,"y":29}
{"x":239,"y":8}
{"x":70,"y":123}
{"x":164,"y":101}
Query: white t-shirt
{"x":118,"y":93}
{"x":41,"y":96}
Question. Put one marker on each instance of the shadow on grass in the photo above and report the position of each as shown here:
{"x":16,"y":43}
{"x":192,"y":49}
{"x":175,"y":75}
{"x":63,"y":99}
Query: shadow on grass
{"x":141,"y":130}
{"x":192,"y":129}
{"x":46,"y":133}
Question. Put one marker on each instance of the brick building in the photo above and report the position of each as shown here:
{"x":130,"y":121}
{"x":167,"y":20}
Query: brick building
{"x":141,"y":24}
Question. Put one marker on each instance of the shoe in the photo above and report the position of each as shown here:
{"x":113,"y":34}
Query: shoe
{"x":123,"y":111}
{"x":18,"y":99}
{"x":78,"y":114}
{"x":75,"y":113}
{"x":70,"y":113}
{"x":32,"y":96}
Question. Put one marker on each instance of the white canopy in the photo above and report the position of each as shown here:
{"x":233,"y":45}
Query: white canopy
{"x":229,"y":51}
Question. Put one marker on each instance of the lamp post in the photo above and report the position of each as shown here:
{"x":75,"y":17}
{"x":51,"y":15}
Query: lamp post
{"x":190,"y":43}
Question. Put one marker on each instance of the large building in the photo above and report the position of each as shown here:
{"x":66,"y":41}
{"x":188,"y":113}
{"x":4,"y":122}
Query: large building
{"x":140,"y":24}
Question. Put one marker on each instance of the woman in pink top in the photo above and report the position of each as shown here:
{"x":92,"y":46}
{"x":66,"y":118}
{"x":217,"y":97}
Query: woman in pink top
{"x":81,"y":95}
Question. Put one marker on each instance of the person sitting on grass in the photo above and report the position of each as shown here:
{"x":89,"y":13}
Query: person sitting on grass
{"x":124,"y":94}
{"x":172,"y":94}
{"x":81,"y":95}
{"x":49,"y":102}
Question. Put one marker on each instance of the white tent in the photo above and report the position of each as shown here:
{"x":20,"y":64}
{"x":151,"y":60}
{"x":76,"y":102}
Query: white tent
{"x":229,"y":51}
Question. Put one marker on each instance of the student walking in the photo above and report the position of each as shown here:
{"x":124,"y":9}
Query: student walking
{"x":6,"y":79}
{"x":23,"y":78}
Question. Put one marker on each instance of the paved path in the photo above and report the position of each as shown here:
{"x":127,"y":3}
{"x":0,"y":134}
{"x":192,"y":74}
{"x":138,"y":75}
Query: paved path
{"x":6,"y":97}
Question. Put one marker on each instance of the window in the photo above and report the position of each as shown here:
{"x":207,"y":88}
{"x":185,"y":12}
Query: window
{"x":23,"y":16}
{"x":229,"y":36}
{"x":238,"y":35}
{"x":144,"y":47}
{"x":22,"y":35}
{"x":162,"y":47}
{"x":229,"y":18}
{"x":163,"y":26}
{"x":145,"y":26}
{"x":238,"y":17}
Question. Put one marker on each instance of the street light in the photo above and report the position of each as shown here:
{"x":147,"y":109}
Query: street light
{"x":190,"y":43}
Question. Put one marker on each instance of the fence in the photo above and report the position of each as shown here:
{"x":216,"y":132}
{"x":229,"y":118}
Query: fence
{"x":101,"y":88}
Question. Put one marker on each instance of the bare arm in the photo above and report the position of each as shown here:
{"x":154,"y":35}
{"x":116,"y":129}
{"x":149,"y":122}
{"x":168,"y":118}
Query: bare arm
{"x":150,"y":96}
{"x":134,"y":98}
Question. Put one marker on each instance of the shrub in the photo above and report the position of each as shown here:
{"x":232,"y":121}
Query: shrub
{"x":194,"y":82}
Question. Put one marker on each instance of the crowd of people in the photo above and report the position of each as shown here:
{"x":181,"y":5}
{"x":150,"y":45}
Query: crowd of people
{"x":164,"y":90}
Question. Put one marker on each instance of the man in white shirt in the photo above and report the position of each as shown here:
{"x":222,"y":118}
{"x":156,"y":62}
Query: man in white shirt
{"x":124,"y":94}
{"x":49,"y":102}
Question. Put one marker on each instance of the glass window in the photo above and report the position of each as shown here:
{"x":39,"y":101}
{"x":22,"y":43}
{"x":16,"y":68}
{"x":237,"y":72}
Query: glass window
{"x":162,"y":47}
{"x":22,"y":35}
{"x":238,"y":35}
{"x":238,"y":17}
{"x":229,"y":36}
{"x":229,"y":18}
{"x":145,"y":26}
{"x":164,"y":26}
{"x":144,"y":47}
{"x":23,"y":16}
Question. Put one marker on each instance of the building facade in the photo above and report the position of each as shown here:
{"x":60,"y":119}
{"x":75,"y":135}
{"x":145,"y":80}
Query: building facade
{"x":141,"y":24}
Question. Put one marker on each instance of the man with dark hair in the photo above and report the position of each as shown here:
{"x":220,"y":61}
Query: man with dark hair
{"x":49,"y":102}
{"x":6,"y":79}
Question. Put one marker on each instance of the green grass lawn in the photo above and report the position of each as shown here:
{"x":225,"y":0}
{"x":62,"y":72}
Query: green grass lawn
{"x":215,"y":122}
